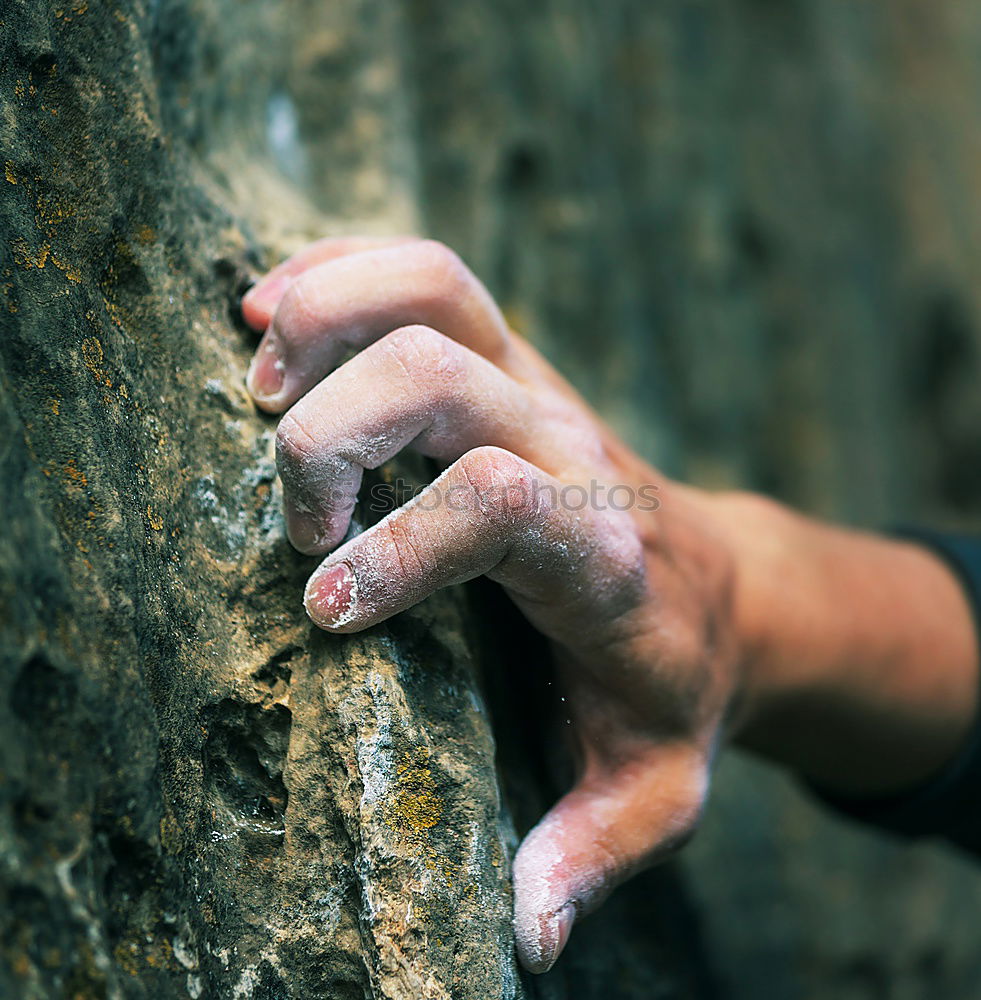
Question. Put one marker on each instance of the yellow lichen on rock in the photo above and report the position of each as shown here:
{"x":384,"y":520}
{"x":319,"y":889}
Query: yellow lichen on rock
{"x":70,"y":272}
{"x":73,"y":476}
{"x":93,"y":356}
{"x":28,"y":258}
{"x":417,"y":805}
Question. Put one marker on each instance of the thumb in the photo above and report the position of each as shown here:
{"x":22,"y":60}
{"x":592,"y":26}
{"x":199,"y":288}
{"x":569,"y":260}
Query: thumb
{"x":616,"y":821}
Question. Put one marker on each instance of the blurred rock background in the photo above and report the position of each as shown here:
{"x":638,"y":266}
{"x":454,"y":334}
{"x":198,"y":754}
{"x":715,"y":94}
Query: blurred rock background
{"x":746,"y":230}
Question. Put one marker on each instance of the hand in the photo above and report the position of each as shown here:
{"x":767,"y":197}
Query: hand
{"x":671,"y":627}
{"x":635,"y":601}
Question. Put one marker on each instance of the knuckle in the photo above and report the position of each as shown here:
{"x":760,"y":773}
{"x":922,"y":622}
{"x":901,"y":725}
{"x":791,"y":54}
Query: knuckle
{"x":440,"y":259}
{"x":444,"y":266}
{"x":315,"y":476}
{"x":503,"y":486}
{"x":295,"y":311}
{"x":295,"y":449}
{"x":624,"y":557}
{"x":294,"y":443}
{"x":406,"y":547}
{"x":424,"y":354}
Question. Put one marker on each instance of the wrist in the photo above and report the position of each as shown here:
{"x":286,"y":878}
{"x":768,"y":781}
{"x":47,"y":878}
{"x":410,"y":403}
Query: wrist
{"x":858,"y":654}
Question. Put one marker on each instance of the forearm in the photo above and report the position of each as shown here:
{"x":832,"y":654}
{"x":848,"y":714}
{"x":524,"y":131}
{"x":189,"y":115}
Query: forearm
{"x":860,"y":652}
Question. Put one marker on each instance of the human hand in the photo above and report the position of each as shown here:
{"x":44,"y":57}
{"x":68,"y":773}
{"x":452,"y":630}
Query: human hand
{"x":671,"y":626}
{"x":636,"y":602}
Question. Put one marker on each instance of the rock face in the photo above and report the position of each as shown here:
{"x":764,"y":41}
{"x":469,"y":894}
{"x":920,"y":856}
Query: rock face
{"x":201,"y":797}
{"x":199,"y":794}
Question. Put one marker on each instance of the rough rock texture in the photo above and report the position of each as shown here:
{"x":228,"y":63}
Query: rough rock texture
{"x":201,"y":795}
{"x":765,"y":207}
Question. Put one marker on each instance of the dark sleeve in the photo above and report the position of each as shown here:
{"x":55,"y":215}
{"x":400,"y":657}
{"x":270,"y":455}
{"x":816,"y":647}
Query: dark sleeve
{"x":949,"y":804}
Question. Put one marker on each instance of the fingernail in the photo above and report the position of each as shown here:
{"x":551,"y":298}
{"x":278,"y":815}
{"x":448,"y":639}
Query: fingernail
{"x":562,"y":928}
{"x":331,"y":596}
{"x":266,"y":293}
{"x":267,"y":371}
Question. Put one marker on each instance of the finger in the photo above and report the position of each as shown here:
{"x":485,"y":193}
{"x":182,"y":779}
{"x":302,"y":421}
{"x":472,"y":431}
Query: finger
{"x":613,"y":824}
{"x":490,"y":512}
{"x":348,"y":303}
{"x":414,"y":386}
{"x":259,"y":303}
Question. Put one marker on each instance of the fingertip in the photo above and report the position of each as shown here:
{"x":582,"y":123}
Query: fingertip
{"x":260,"y":301}
{"x":307,"y":534}
{"x":266,"y":376}
{"x":331,"y":597}
{"x":561,"y":930}
{"x":255,"y":316}
{"x":567,"y":920}
{"x":539,"y":952}
{"x":543,"y":910}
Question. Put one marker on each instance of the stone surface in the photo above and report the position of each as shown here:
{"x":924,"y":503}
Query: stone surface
{"x":746,"y":230}
{"x":202,"y":795}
